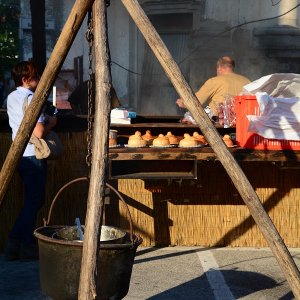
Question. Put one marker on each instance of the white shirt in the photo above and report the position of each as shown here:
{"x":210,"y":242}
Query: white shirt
{"x":15,"y":101}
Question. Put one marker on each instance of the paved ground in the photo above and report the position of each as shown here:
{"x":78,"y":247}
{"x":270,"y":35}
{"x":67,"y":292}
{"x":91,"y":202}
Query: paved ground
{"x":176,"y":273}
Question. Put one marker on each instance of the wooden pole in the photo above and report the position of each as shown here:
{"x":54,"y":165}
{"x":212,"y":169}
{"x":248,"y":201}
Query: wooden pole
{"x":33,"y":111}
{"x":87,"y":285}
{"x":239,"y":179}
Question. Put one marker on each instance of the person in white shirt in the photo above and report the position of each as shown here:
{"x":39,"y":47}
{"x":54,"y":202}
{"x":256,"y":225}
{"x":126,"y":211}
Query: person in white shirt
{"x":21,"y":243}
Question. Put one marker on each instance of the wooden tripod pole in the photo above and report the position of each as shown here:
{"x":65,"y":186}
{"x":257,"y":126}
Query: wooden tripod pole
{"x":33,"y":111}
{"x":95,"y":204}
{"x":236,"y":174}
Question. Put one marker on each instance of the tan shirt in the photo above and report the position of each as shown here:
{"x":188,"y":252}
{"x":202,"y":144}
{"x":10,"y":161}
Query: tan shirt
{"x":213,"y":90}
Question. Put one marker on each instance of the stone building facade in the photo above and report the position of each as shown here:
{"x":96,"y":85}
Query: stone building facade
{"x":262,"y":36}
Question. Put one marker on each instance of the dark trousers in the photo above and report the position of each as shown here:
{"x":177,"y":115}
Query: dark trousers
{"x":33,"y":173}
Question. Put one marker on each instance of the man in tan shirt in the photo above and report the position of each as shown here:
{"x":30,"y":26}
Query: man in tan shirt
{"x":225,"y":83}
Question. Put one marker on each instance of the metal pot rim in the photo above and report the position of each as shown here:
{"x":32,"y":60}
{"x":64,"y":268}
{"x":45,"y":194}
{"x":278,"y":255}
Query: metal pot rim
{"x":40,"y":236}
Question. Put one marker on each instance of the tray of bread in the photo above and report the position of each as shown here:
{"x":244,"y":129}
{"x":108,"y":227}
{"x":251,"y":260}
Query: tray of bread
{"x":139,"y":140}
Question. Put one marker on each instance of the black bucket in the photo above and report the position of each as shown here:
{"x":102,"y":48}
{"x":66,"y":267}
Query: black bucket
{"x":60,"y":261}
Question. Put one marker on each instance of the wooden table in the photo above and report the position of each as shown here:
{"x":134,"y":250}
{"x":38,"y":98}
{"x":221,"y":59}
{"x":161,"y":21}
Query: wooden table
{"x":204,"y":153}
{"x":182,"y":163}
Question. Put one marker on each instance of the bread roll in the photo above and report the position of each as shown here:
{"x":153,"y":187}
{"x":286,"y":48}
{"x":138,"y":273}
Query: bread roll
{"x":228,"y":141}
{"x":147,"y":136}
{"x":172,"y":138}
{"x":161,"y":141}
{"x":200,"y":138}
{"x":136,"y":140}
{"x":188,"y":141}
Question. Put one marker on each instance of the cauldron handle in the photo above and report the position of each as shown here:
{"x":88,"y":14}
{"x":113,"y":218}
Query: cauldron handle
{"x":46,"y":222}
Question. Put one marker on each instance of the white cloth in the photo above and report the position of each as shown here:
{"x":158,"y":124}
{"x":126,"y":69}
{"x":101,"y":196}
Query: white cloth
{"x":119,"y":113}
{"x":279,"y":85}
{"x":278,"y":99}
{"x":279,"y":118}
{"x":15,"y":113}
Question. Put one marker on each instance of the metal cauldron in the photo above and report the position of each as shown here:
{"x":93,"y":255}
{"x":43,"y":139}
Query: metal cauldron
{"x":60,"y":261}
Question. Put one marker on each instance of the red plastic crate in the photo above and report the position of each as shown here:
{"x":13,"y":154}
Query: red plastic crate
{"x":247,"y":105}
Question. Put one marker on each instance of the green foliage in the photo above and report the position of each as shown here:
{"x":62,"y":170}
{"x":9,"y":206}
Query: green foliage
{"x":9,"y":40}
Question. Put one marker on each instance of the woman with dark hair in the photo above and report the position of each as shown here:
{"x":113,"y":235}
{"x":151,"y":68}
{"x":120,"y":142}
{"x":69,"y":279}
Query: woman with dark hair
{"x":21,"y":243}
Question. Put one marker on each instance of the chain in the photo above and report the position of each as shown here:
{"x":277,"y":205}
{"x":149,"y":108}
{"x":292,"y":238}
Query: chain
{"x":90,"y":39}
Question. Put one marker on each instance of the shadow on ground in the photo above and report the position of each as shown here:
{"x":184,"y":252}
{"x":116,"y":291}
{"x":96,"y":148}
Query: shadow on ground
{"x":247,"y":284}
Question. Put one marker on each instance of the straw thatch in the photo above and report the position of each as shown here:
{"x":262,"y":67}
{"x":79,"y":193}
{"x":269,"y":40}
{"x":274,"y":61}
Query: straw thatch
{"x":209,"y":211}
{"x":206,"y":211}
